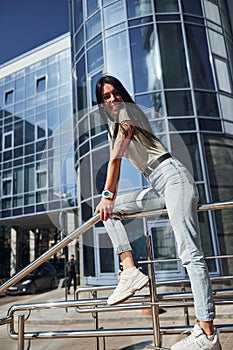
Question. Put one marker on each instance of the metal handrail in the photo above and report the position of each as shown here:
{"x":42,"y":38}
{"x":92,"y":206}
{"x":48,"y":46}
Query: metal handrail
{"x":88,"y":224}
{"x":154,"y":302}
{"x":49,"y":253}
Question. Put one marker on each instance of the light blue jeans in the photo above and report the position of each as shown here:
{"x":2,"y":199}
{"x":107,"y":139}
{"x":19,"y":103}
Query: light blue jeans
{"x":171,"y":186}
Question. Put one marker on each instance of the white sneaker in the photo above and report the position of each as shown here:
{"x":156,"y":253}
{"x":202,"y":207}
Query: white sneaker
{"x":130,"y":280}
{"x":198,"y":340}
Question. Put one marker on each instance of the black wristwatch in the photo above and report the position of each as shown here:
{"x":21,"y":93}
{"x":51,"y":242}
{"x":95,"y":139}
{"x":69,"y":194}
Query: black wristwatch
{"x":107,"y":194}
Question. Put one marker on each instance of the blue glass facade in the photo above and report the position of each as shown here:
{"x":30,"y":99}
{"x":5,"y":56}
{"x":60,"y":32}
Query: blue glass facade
{"x":175,"y":58}
{"x":37,"y":176}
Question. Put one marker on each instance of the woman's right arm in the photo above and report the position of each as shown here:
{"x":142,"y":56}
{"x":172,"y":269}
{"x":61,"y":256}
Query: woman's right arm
{"x":117,"y":149}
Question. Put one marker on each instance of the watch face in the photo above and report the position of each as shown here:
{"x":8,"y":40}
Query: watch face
{"x":107,"y":194}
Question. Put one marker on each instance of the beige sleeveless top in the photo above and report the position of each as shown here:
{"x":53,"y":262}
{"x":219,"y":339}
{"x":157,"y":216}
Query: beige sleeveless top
{"x":143,"y":148}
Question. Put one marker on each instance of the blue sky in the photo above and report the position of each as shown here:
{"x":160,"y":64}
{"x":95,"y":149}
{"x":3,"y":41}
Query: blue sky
{"x":26,"y":24}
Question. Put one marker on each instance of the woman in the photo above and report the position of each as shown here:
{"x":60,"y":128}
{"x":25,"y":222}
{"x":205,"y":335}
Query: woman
{"x":171,"y":185}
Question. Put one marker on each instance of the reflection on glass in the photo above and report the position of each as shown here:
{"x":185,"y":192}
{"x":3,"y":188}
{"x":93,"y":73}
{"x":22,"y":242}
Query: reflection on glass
{"x":130,"y":178}
{"x":114,"y":14}
{"x":77,"y":10}
{"x":79,"y":40}
{"x":96,"y":123}
{"x":164,"y":246}
{"x":94,"y":80}
{"x":95,"y":57}
{"x":173,"y":60}
{"x":212,"y":12}
{"x":151,"y":100}
{"x":145,"y":58}
{"x":91,"y":6}
{"x":93,"y":26}
{"x":138,"y":8}
{"x":199,"y":57}
{"x":122,"y":55}
{"x":9,"y":97}
{"x":223,"y":75}
{"x":166,"y":5}
{"x":191,"y":144}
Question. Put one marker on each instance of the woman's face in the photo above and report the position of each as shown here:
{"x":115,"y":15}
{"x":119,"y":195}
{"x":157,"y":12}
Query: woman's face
{"x":112,"y":100}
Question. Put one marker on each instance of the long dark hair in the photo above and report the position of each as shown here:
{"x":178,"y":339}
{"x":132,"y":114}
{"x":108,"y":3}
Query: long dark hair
{"x":135,"y":114}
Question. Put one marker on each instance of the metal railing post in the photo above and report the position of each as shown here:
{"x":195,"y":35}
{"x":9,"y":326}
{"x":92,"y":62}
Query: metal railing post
{"x":96,"y":319}
{"x":21,"y":332}
{"x":153,"y":295}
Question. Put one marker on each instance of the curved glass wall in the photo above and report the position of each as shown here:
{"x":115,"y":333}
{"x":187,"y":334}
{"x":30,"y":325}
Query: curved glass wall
{"x":173,"y":56}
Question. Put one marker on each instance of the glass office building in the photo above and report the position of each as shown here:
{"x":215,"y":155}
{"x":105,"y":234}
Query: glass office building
{"x":37,"y":175}
{"x":175,"y":58}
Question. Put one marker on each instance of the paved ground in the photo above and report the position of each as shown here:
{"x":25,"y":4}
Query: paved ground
{"x":69,"y":319}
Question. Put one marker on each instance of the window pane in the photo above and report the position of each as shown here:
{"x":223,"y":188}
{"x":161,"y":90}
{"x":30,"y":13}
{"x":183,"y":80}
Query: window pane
{"x":93,"y":26}
{"x":182,"y":124}
{"x":130,"y":178}
{"x":173,"y":55}
{"x":190,"y":141}
{"x":217,"y":43}
{"x":83,"y":130}
{"x":91,"y":6}
{"x":199,"y":57}
{"x":99,"y":163}
{"x":212,"y":12}
{"x":9,"y":97}
{"x":223,"y":75}
{"x":114,"y":14}
{"x":81,"y":84}
{"x":53,"y":75}
{"x":166,"y":5}
{"x":210,"y":124}
{"x":19,"y":89}
{"x":138,"y":8}
{"x":95,"y":57}
{"x":164,"y":246}
{"x":29,"y":178}
{"x":179,"y":103}
{"x":227,"y":107}
{"x":94,"y":80}
{"x":85,"y":178}
{"x":18,"y":181}
{"x":145,"y":58}
{"x":106,"y":254}
{"x":40,"y":85}
{"x":41,"y":130}
{"x":53,"y":119}
{"x":41,"y":179}
{"x":206,"y":104}
{"x":64,"y":71}
{"x":192,"y":7}
{"x":8,"y":141}
{"x":151,"y":100}
{"x":7,"y":187}
{"x":79,"y":40}
{"x":112,"y":60}
{"x":88,"y":250}
{"x":96,"y":123}
{"x":18,"y":134}
{"x":78,"y":13}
